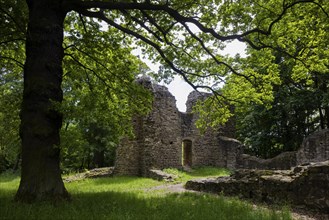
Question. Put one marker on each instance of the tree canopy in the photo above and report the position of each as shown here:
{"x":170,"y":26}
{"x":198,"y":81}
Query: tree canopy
{"x":82,"y":49}
{"x":98,"y":89}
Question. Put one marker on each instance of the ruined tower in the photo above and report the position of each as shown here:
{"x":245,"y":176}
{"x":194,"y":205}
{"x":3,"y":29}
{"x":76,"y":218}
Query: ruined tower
{"x":169,"y":138}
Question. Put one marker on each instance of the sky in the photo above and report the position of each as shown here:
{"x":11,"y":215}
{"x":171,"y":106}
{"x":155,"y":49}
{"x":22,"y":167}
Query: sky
{"x":180,"y":89}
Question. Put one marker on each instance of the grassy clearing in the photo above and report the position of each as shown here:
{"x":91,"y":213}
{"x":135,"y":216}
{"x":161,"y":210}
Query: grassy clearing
{"x":128,"y":198}
{"x":201,"y":172}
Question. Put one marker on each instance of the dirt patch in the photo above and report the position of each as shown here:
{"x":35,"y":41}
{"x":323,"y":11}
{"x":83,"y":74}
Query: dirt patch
{"x":170,"y":188}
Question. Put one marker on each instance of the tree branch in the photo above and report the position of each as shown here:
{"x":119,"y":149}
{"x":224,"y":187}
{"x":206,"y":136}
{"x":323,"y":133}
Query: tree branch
{"x":86,"y":5}
{"x":142,"y":24}
{"x":12,"y":40}
{"x":101,"y":16}
{"x":213,"y":56}
{"x":87,"y":68}
{"x":14,"y":20}
{"x":89,"y":8}
{"x":20,"y":64}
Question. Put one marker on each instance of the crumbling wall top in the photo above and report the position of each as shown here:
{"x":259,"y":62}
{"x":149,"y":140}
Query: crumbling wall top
{"x":156,"y":89}
{"x":193,"y":97}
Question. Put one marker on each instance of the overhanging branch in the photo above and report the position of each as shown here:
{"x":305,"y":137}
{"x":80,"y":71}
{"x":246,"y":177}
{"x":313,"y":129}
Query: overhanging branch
{"x":101,"y":16}
{"x":96,"y":9}
{"x":87,"y":5}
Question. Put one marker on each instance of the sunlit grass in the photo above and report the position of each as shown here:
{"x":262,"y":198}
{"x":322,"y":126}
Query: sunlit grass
{"x":202,"y":172}
{"x":128,"y":198}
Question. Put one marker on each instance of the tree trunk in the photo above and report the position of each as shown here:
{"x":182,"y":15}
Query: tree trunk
{"x":40,"y":117}
{"x":98,"y":158}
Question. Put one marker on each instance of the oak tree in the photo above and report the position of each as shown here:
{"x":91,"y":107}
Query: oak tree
{"x":184,"y":36}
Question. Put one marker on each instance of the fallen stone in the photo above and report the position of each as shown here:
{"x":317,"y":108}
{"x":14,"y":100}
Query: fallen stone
{"x":160,"y":175}
{"x":94,"y":173}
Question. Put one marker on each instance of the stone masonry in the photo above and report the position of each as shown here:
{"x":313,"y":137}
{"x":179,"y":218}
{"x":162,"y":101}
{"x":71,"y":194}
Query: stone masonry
{"x":306,"y":184}
{"x":169,"y":138}
{"x":315,"y":148}
{"x":302,"y":186}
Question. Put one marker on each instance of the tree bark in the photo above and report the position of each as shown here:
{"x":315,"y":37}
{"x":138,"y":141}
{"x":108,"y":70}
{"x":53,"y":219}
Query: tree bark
{"x":40,"y":116}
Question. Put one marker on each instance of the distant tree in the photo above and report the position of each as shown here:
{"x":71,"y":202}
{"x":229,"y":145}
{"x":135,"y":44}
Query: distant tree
{"x":297,"y":63}
{"x":10,"y":99}
{"x":297,"y":111}
{"x":185,"y":36}
{"x":100,"y":94}
{"x":13,"y":22}
{"x":290,"y":59}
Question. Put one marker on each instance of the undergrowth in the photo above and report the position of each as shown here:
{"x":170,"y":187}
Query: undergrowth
{"x":129,"y":198}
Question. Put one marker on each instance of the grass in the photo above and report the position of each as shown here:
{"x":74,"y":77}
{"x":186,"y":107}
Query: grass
{"x":130,"y":198}
{"x":201,"y":172}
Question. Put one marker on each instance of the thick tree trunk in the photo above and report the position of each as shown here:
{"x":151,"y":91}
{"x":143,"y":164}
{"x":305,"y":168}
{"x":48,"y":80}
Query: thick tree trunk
{"x":40,"y":118}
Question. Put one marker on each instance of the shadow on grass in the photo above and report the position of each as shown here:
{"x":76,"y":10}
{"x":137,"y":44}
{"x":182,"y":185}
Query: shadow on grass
{"x":120,"y":205}
{"x":9,"y":176}
{"x":122,"y":198}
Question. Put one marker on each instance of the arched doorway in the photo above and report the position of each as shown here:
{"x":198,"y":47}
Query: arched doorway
{"x":187,"y":153}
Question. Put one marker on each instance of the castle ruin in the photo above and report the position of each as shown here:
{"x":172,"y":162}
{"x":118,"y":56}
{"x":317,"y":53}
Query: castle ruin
{"x":169,"y":138}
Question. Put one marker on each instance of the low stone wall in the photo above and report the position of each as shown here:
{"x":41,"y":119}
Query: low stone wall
{"x":283,"y":161}
{"x":315,"y":148}
{"x":302,"y":186}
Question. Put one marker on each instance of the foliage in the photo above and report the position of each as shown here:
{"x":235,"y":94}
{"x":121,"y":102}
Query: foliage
{"x":100,"y":93}
{"x":10,"y":99}
{"x":292,"y":47}
{"x":280,"y":89}
{"x":13,"y":25}
{"x":293,"y":115}
{"x":130,"y":198}
{"x":296,"y":63}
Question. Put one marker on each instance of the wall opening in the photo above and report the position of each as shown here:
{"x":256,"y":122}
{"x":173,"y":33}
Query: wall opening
{"x":187,"y":153}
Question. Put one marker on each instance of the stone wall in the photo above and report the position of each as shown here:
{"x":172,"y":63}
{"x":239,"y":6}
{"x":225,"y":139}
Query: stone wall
{"x":302,"y":186}
{"x":231,"y":151}
{"x":159,"y":137}
{"x":315,"y":148}
{"x":210,"y":148}
{"x":283,"y":161}
{"x":161,"y":132}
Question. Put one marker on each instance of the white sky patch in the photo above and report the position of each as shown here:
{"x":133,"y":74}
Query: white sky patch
{"x":178,"y":87}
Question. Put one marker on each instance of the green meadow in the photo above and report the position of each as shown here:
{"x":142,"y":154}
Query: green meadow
{"x":133,"y":198}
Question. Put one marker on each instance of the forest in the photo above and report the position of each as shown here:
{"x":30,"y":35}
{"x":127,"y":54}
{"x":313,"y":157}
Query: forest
{"x":67,"y":76}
